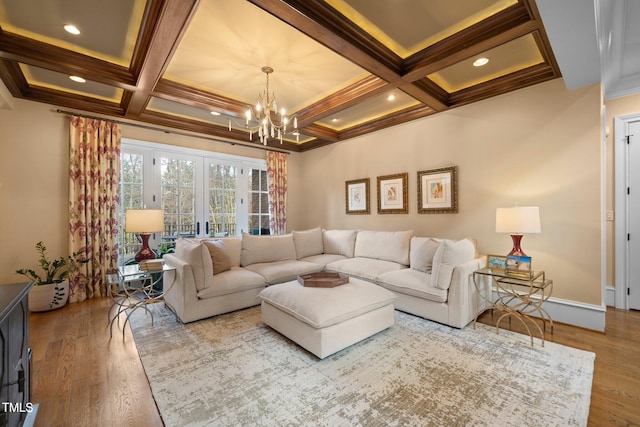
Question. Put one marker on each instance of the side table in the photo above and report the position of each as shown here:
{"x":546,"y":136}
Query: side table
{"x":136,"y":289}
{"x":519,"y":296}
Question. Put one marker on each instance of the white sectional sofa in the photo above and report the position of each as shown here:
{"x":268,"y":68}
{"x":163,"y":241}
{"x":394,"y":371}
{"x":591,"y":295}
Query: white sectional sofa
{"x":431,"y":278}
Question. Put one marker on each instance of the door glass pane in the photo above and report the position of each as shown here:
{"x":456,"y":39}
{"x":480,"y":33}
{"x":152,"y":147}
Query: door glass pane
{"x":258,"y":206}
{"x":178,"y":189}
{"x":131,"y":195}
{"x":223,"y":183}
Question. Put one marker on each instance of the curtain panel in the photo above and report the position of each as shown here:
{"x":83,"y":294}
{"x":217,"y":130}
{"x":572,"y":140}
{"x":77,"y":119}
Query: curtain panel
{"x":277,"y":180}
{"x":94,"y":193}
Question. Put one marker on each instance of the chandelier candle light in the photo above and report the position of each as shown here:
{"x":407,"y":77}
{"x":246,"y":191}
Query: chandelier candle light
{"x":271,"y":123}
{"x":144,"y":222}
{"x":517,"y":221}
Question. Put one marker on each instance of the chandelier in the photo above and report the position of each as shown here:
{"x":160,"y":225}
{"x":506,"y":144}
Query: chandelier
{"x":265,"y":120}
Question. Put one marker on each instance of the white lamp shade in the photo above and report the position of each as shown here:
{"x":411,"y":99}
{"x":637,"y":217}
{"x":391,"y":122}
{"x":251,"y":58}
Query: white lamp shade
{"x":518,"y":220}
{"x":144,"y":220}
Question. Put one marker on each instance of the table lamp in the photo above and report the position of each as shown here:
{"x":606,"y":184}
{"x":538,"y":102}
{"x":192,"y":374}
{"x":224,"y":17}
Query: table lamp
{"x":144,"y":222}
{"x":517,"y":221}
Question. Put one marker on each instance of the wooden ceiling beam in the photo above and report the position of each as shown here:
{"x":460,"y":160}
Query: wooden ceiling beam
{"x":432,"y":60}
{"x":54,"y":58}
{"x":73,"y":101}
{"x":321,"y":132}
{"x":330,"y":28}
{"x":177,"y":92}
{"x":13,"y":78}
{"x":402,"y":116}
{"x":170,"y":22}
{"x":338,"y":101}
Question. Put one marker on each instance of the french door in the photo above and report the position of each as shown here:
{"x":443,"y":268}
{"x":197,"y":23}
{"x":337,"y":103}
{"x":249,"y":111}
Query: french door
{"x":202,"y":193}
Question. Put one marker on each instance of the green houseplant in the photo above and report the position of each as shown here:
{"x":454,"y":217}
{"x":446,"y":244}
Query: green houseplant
{"x":51,"y":288}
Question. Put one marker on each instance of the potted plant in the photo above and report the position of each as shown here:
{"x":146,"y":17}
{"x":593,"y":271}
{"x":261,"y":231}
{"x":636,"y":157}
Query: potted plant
{"x":51,"y":289}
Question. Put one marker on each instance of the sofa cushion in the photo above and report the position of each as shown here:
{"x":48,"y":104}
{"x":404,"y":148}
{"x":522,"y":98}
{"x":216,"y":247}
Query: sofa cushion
{"x":259,"y":249}
{"x":339,"y":242}
{"x":422,"y":252}
{"x":195,"y":253}
{"x":283,"y":271}
{"x":447,"y":257}
{"x":219,"y":256}
{"x":338,"y":304}
{"x":323,"y":259}
{"x":308,"y":242}
{"x":413,"y":282}
{"x":385,"y":245}
{"x":365,"y":268}
{"x":237,"y":279}
{"x":233,"y":246}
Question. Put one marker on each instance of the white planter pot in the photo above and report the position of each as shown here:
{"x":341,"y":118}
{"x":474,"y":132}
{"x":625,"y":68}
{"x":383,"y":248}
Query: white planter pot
{"x":48,"y":297}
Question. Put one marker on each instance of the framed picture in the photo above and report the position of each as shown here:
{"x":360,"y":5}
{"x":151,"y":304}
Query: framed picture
{"x":392,"y":194}
{"x":518,"y":265}
{"x":496,"y":261}
{"x":438,"y":190}
{"x":357,"y":197}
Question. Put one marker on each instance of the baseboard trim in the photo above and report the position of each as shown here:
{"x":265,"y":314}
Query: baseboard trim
{"x":610,"y":296}
{"x":588,"y":316}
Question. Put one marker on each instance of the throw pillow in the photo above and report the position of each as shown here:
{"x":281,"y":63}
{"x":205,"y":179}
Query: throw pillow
{"x":308,"y":242}
{"x":195,"y":253}
{"x":423,"y":249}
{"x":219,"y":256}
{"x":339,"y":242}
{"x":449,"y":255}
{"x":258,"y":249}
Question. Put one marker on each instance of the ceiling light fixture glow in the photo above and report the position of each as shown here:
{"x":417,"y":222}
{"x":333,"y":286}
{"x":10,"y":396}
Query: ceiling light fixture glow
{"x":72,"y":29}
{"x":391,"y":97}
{"x":77,"y":79}
{"x":215,"y":113}
{"x":265,"y":118}
{"x":480,"y":62}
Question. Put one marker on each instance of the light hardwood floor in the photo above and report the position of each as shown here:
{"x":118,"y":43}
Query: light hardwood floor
{"x":83,"y":378}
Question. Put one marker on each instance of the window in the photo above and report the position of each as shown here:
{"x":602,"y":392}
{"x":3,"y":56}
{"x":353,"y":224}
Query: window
{"x":258,"y":202}
{"x":201,"y":193}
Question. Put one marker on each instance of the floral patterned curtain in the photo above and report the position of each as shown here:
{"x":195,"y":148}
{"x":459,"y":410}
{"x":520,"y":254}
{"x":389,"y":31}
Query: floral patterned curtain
{"x":277,"y":179}
{"x":94,"y":194}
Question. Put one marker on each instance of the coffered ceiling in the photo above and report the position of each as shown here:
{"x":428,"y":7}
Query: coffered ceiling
{"x":342,"y":68}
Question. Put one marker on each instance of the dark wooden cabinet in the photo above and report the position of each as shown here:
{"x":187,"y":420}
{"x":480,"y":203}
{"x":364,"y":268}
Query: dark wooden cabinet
{"x":15,"y":393}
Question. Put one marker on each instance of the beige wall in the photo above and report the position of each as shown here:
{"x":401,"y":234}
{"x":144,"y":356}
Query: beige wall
{"x":537,"y":146}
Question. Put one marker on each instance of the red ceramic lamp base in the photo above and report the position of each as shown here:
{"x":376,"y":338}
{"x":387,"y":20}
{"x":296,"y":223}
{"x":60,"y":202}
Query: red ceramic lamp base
{"x":145,"y":251}
{"x":517,"y":250}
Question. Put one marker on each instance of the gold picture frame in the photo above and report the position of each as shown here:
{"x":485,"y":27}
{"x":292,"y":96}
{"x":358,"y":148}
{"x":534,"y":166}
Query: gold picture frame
{"x":438,"y":190}
{"x":497,"y":261}
{"x":356,"y":193}
{"x":392,"y":194}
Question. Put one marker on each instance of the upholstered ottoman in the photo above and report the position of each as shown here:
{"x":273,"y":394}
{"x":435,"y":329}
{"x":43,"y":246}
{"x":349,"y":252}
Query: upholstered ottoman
{"x":326,"y":320}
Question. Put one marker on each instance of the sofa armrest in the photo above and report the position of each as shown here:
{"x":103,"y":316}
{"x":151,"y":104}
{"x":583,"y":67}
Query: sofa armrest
{"x":183,"y":292}
{"x":464,"y":300}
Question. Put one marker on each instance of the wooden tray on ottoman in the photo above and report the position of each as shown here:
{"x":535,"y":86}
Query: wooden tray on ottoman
{"x":323,"y":280}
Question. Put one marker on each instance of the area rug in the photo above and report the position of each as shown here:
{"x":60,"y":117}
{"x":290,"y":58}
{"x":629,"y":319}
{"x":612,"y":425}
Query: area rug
{"x":232,"y":370}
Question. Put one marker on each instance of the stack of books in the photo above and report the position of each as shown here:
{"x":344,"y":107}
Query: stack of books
{"x":151,"y":264}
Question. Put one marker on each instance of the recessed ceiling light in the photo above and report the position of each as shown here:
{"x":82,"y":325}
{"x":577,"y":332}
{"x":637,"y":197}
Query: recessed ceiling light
{"x":77,"y":79}
{"x":480,"y":62}
{"x":334,"y":120}
{"x":72,"y":29}
{"x":391,"y":97}
{"x":215,"y":113}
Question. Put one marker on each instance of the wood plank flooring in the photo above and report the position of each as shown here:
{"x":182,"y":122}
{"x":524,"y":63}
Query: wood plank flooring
{"x":80,"y":377}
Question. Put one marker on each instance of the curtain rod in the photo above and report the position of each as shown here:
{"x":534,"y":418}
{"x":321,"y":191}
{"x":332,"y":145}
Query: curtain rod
{"x":159,"y":129}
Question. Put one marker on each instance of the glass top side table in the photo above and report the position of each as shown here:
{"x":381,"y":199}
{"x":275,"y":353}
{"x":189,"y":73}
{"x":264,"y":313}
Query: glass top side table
{"x":518,"y":295}
{"x":136,"y":288}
